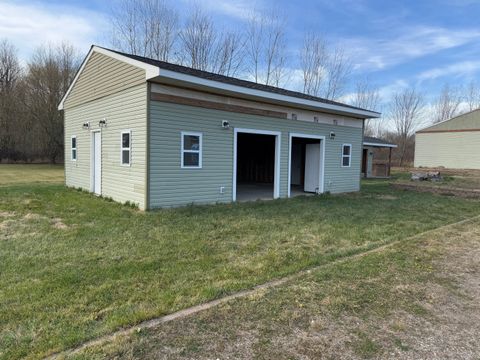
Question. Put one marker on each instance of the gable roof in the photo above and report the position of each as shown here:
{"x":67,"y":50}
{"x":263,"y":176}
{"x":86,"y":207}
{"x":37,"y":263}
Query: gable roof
{"x":158,"y":70}
{"x":376,"y":142}
{"x":464,"y":122}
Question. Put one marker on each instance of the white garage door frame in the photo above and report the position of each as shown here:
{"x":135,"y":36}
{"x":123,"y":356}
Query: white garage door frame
{"x":278,"y":140}
{"x":322,"y":158}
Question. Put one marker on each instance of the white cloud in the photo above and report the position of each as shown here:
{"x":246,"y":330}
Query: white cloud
{"x":413,"y":42}
{"x":239,"y":9}
{"x":463,"y":68}
{"x":29,"y":25}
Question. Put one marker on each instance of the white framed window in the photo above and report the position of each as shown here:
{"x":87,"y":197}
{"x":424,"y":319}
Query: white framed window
{"x":126,"y":148}
{"x":191,"y":150}
{"x":346,"y":155}
{"x":73,"y":144}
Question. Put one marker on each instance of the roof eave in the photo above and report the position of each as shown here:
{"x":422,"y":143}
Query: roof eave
{"x":154,"y":73}
{"x":379,"y":145}
{"x":190,"y":81}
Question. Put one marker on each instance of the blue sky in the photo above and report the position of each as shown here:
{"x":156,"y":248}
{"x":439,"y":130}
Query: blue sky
{"x":393,"y":43}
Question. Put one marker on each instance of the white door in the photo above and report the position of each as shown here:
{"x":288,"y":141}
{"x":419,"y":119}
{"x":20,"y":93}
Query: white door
{"x":97,"y":163}
{"x":312,"y":168}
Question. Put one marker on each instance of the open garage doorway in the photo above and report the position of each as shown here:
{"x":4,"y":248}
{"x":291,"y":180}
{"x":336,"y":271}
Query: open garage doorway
{"x":256,"y":165}
{"x":306,"y":164}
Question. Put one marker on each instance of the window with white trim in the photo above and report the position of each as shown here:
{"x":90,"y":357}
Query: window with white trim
{"x":73,"y":144}
{"x":191,"y":145}
{"x":346,"y":155}
{"x":126,"y":147}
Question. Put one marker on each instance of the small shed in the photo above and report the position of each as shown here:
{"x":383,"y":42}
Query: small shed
{"x":372,"y":167}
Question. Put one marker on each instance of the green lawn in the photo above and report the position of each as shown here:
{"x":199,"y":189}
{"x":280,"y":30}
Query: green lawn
{"x":11,"y":174}
{"x":373,"y":306}
{"x":74,"y":266}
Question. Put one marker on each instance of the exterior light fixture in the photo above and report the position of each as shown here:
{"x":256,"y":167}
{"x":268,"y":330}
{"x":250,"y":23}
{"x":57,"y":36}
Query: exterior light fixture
{"x":86,"y":125}
{"x":225,"y":124}
{"x":332,"y":135}
{"x":102,"y":123}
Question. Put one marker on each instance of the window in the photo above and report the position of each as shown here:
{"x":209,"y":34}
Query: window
{"x":126,"y":143}
{"x":346,"y":155}
{"x":74,"y":148}
{"x":191,"y":150}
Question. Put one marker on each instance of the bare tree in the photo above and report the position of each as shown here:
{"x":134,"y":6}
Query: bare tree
{"x":447,"y":104}
{"x":198,"y":39}
{"x":313,"y":60}
{"x":325,"y":71}
{"x":367,"y":97}
{"x":144,"y":27}
{"x":228,"y":54}
{"x":265,"y":48}
{"x":338,"y":68}
{"x":406,"y":111}
{"x":49,"y":73}
{"x":473,"y":96}
{"x":10,"y":76}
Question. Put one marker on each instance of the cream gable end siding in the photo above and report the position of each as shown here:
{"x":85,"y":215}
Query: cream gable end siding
{"x":115,"y":91}
{"x":455,"y":150}
{"x":103,"y":76}
{"x":170,"y":185}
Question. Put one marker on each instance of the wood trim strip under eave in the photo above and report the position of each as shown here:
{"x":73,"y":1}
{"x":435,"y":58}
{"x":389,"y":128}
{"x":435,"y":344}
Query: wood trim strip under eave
{"x":446,"y":131}
{"x":215,"y":105}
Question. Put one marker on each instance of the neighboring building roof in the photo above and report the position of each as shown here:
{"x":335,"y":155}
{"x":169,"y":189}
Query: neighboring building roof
{"x":161,"y":70}
{"x":469,"y":121}
{"x":376,"y":142}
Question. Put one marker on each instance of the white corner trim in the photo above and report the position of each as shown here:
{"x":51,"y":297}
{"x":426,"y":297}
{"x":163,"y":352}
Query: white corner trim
{"x":276,"y":178}
{"x":199,"y":151}
{"x":151,"y":71}
{"x":322,"y":159}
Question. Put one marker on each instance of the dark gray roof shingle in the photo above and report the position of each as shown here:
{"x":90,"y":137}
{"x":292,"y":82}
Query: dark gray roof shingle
{"x":232,"y":80}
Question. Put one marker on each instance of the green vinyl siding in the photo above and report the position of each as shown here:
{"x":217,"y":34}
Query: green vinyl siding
{"x":170,"y":185}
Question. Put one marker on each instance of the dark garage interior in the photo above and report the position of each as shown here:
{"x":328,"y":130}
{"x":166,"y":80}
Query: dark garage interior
{"x":255,"y":166}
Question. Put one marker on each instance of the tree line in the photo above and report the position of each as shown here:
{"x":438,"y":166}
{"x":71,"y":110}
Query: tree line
{"x":32,"y":127}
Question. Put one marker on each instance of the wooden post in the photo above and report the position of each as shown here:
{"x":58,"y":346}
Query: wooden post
{"x":389,"y":162}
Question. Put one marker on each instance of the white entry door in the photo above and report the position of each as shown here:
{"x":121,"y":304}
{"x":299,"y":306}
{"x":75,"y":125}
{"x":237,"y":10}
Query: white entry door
{"x":97,"y":163}
{"x":312,"y":168}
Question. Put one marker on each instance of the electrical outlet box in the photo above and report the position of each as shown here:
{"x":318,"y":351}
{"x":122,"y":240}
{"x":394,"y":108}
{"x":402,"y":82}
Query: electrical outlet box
{"x":222,"y":189}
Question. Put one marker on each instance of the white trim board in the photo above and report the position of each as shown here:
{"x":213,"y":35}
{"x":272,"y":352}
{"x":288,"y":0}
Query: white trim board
{"x":155,"y":72}
{"x":276,"y":178}
{"x":170,"y":75}
{"x":379,"y":145}
{"x":322,"y":159}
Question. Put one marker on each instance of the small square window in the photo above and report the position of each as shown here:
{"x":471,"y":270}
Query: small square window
{"x":191,"y":146}
{"x":126,"y":149}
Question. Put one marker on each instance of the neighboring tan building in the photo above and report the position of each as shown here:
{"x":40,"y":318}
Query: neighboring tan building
{"x":454,"y":143}
{"x":159,"y":135}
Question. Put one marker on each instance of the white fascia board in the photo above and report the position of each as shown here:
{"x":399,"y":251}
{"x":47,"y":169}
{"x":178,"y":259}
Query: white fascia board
{"x":379,"y":145}
{"x":151,"y":71}
{"x":260,"y":94}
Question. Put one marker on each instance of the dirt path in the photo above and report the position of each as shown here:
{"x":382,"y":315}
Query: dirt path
{"x":153,"y":323}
